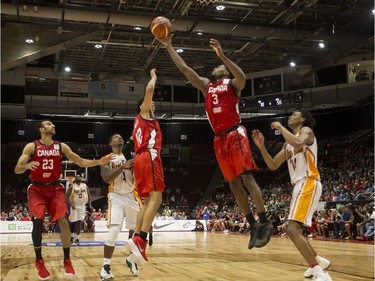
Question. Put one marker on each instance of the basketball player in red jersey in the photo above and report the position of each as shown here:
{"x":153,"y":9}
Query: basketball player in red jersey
{"x":148,"y":169}
{"x":231,"y":143}
{"x":43,"y":158}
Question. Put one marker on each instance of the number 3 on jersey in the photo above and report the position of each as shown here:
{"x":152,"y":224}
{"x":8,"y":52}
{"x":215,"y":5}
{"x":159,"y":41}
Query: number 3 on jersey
{"x":215,"y":99}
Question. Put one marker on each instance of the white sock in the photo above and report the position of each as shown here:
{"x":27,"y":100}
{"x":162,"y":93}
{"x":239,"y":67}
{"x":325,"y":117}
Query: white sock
{"x":106,"y":261}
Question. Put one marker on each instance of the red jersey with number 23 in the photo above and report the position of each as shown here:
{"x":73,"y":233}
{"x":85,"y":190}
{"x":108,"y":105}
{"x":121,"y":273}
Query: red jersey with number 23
{"x":221,"y":105}
{"x":146,"y":136}
{"x":49,"y":158}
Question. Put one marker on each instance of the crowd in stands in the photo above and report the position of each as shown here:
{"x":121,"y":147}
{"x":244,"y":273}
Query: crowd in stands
{"x":347,"y":175}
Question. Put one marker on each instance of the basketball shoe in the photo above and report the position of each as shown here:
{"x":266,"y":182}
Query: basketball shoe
{"x":69,"y":270}
{"x":105,"y":273}
{"x":253,"y":235}
{"x":264,"y":233}
{"x":324,"y":264}
{"x":137,"y":246}
{"x":130,"y":262}
{"x":319,"y":274}
{"x":43,"y":273}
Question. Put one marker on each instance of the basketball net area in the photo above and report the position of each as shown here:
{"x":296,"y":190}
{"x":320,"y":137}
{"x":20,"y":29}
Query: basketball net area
{"x":70,"y":170}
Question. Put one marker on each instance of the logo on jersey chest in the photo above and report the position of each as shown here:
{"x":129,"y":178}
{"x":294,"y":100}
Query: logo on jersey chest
{"x":289,"y":156}
{"x":117,"y":164}
{"x":216,"y":110}
{"x":291,"y":152}
{"x":218,"y":88}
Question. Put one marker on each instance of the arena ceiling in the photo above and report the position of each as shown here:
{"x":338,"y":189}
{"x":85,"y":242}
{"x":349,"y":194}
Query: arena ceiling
{"x":256,"y":34}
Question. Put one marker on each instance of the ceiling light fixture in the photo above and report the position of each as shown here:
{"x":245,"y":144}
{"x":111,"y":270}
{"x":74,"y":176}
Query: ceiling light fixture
{"x":67,"y":69}
{"x":98,"y":46}
{"x":179,"y":50}
{"x":137,"y":28}
{"x":292,"y":64}
{"x":373,"y":11}
{"x":220,"y":7}
{"x":321,"y":45}
{"x":199,"y":33}
{"x":29,"y":41}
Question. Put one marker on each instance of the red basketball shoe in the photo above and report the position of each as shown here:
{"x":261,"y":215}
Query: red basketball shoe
{"x":69,"y":270}
{"x":43,"y":273}
{"x":137,"y":246}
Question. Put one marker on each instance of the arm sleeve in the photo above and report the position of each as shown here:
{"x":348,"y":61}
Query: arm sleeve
{"x":128,"y":149}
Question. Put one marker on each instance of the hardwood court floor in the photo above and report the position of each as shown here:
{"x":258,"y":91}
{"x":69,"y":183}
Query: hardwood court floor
{"x":190,"y":256}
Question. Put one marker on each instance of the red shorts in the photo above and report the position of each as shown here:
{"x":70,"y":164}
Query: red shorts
{"x":148,"y":174}
{"x":233,"y":153}
{"x":50,"y":198}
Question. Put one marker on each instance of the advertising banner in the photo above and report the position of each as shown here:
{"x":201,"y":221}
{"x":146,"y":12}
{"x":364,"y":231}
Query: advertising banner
{"x":74,"y":88}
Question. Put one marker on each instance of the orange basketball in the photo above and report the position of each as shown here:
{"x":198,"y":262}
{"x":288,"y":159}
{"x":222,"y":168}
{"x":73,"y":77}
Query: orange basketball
{"x":160,"y":27}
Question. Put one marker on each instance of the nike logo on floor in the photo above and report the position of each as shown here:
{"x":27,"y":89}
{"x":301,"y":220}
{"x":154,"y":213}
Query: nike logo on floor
{"x":161,"y":226}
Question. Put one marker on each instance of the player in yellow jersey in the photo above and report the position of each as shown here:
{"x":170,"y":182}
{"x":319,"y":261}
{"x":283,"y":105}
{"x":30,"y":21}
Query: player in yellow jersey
{"x":300,"y":151}
{"x":122,"y":202}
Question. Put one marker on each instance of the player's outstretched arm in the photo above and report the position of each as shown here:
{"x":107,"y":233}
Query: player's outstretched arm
{"x":147,"y":101}
{"x":239,"y":77}
{"x":66,"y":150}
{"x":305,"y":136}
{"x":272,"y":163}
{"x":197,"y":81}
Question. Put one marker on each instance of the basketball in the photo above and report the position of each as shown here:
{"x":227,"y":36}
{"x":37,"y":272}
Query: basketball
{"x":160,"y":27}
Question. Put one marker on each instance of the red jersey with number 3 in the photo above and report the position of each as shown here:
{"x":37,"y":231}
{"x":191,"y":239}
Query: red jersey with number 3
{"x":221,"y":105}
{"x":49,"y":158}
{"x":147,"y":136}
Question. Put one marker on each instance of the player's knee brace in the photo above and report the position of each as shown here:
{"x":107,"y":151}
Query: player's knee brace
{"x":114,"y":231}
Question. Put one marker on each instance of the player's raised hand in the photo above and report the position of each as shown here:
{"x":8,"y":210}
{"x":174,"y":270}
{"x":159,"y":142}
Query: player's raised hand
{"x":167,"y":40}
{"x":216,"y":46}
{"x":258,"y":138}
{"x":153,"y":73}
{"x":106,"y":159}
{"x":276,"y":125}
{"x":128,"y":164}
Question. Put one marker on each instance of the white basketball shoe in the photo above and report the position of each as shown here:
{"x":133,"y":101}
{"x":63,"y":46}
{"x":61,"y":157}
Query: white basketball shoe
{"x":320,"y":275}
{"x":324,"y":264}
{"x":131,"y":263}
